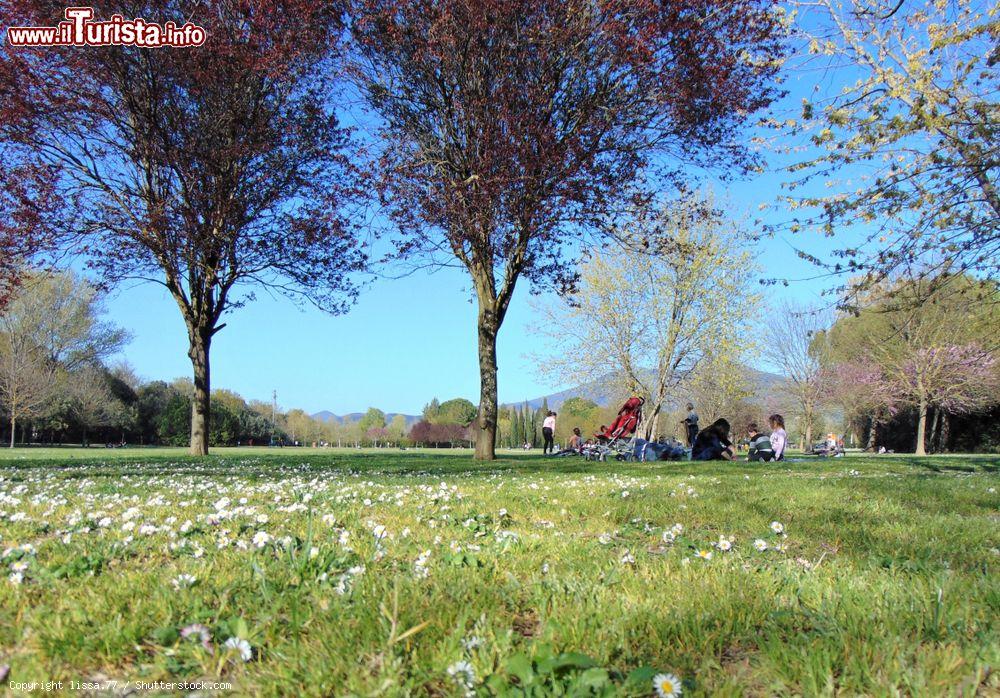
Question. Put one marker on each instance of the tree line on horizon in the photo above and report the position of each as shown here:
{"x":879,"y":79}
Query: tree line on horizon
{"x":890,"y":375}
{"x":508,"y":139}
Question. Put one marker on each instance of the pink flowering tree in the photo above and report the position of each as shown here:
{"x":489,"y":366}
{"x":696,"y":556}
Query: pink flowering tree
{"x":378,"y":435}
{"x":955,"y":378}
{"x":862,"y":388}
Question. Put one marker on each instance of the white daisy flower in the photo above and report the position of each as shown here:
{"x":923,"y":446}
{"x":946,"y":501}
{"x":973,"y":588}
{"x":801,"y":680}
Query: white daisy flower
{"x":667,"y":685}
{"x":463,"y":673}
{"x":777,"y":527}
{"x":472,"y":642}
{"x":15,"y":578}
{"x":760,"y":544}
{"x":242,"y":646}
{"x":704,"y":554}
{"x":183,"y":581}
{"x":420,"y":565}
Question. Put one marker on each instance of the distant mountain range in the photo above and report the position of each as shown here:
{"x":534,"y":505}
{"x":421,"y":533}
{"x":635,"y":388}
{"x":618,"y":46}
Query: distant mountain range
{"x":597,"y":391}
{"x":327,"y":416}
{"x":600,"y":392}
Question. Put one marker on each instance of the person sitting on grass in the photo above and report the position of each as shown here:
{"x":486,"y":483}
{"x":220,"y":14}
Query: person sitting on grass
{"x":712,"y":442}
{"x":778,"y":438}
{"x":575,"y":444}
{"x":759,"y":445}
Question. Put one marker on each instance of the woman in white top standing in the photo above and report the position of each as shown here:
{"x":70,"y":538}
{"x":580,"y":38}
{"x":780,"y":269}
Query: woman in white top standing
{"x":548,"y":429}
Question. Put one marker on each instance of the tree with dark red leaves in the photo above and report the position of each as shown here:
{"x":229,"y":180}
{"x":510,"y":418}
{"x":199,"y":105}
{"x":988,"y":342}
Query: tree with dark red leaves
{"x":17,"y":248}
{"x":31,"y":211}
{"x":512,"y":128}
{"x":209,"y":170}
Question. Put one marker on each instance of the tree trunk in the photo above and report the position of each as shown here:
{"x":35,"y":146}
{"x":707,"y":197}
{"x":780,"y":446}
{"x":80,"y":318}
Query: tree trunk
{"x":13,"y":430}
{"x":201,"y":341}
{"x":872,"y":434}
{"x":945,"y":431}
{"x":809,"y":429}
{"x":921,"y":428}
{"x":487,"y":419}
{"x":935,"y":438}
{"x":650,"y":423}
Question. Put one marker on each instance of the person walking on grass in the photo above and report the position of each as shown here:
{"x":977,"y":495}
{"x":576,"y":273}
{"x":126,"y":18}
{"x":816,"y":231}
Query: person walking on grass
{"x":548,"y":429}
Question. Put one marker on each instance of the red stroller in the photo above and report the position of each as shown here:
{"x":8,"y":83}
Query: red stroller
{"x":617,"y":438}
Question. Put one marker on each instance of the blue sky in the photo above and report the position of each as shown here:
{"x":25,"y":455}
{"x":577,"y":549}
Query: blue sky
{"x":405,"y":341}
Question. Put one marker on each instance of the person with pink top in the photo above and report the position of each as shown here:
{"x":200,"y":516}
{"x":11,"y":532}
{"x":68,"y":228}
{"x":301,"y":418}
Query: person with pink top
{"x":548,"y":429}
{"x":778,"y":436}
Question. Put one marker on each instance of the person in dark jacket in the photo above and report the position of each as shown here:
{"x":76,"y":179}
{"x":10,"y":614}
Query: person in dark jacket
{"x":712,"y":442}
{"x":759,"y":444}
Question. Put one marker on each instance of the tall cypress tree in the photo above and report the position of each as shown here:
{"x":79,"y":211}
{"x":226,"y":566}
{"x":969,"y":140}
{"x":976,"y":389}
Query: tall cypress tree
{"x":531,"y":428}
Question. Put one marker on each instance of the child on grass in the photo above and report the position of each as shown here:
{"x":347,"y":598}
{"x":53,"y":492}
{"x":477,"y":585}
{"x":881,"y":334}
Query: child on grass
{"x":778,"y":437}
{"x":759,"y":444}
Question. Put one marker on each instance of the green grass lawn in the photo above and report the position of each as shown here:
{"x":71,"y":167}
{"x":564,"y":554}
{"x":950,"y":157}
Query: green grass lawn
{"x":422,"y":573}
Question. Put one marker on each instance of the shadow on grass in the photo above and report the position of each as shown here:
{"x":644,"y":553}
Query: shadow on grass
{"x":443,"y":464}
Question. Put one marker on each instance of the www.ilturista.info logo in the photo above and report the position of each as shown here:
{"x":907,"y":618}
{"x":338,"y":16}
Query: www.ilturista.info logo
{"x":79,"y":29}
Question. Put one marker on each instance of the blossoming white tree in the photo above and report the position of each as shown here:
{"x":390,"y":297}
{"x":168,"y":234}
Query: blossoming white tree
{"x":914,"y":135}
{"x":646,"y":319}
